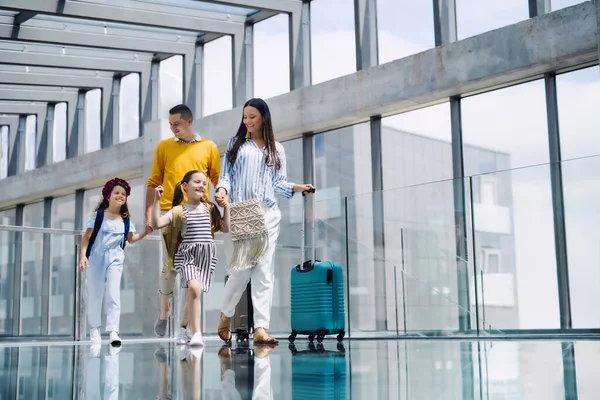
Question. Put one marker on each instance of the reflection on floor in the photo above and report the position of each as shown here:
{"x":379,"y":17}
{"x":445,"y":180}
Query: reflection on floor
{"x":360,"y":369}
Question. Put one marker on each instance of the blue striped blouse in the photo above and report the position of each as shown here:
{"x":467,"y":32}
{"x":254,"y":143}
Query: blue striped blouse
{"x":249,"y":178}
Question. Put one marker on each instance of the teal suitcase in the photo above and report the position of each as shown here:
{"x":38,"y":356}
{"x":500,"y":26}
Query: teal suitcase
{"x":317,"y":298}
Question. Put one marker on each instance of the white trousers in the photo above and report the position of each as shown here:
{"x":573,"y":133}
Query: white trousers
{"x":262,"y":276}
{"x":104,"y":274}
{"x":262,"y":382}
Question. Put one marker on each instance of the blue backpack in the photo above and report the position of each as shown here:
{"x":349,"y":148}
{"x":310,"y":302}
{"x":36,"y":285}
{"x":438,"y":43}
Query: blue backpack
{"x":98,"y":224}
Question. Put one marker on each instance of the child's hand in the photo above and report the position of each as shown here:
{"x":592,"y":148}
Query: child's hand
{"x":158,"y":192}
{"x":83,"y":263}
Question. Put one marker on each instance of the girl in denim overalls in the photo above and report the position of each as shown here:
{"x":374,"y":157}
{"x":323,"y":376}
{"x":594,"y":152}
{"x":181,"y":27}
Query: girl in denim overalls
{"x":107,"y":257}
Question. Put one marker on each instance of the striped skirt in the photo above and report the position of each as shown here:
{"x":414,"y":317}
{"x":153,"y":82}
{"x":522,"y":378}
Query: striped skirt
{"x":196,"y":261}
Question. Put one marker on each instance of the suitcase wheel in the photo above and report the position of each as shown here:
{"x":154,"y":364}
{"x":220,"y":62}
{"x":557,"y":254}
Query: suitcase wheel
{"x":242,"y":337}
{"x":340,"y":336}
{"x":320,"y":337}
{"x":292,"y":337}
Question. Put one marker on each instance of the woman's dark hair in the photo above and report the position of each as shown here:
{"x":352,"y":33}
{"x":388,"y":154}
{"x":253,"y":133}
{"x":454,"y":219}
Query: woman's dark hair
{"x":271,"y":157}
{"x":216,"y":220}
{"x":124,"y":211}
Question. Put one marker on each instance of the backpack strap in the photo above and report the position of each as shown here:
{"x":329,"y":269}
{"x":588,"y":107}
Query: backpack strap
{"x":172,"y":235}
{"x":97,"y":225}
{"x":127,"y":222}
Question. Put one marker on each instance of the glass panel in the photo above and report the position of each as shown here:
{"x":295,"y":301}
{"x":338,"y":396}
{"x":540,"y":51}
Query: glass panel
{"x":129,"y":107}
{"x":4,"y":141}
{"x":288,"y":253}
{"x":512,"y":209}
{"x":7,"y":267}
{"x":271,"y":57}
{"x":93,"y":99}
{"x":422,"y":285}
{"x":416,"y":147}
{"x":578,"y":100}
{"x":586,"y":364}
{"x":170,"y":85}
{"x":475,"y":17}
{"x":31,"y":142}
{"x":31,"y":275}
{"x":62,"y":268}
{"x":558,"y":4}
{"x":333,"y":49}
{"x":60,"y":132}
{"x":218,"y":85}
{"x":91,"y":199}
{"x":340,"y":172}
{"x":404,"y":28}
{"x":581,"y":193}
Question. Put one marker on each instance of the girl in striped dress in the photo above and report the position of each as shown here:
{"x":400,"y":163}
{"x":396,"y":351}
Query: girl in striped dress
{"x":196,"y":256}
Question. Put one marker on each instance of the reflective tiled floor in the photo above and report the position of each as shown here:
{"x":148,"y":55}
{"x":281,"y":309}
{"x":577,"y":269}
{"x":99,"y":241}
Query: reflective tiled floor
{"x":361,"y":369}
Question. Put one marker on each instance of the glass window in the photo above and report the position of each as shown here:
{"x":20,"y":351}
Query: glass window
{"x":31,"y":142}
{"x":578,"y":101}
{"x":342,"y":167}
{"x":419,"y":217}
{"x":4,"y":146}
{"x":416,"y":147}
{"x":272,"y":57}
{"x":558,"y":4}
{"x":129,"y":107}
{"x":91,"y":199}
{"x":63,"y":267}
{"x":474,"y":17}
{"x":7,"y":267}
{"x":503,"y":130}
{"x":333,"y":48}
{"x":31,"y":275}
{"x":93,"y":106}
{"x":60,"y":130}
{"x":218,"y":85}
{"x":170,"y":85}
{"x":404,"y":28}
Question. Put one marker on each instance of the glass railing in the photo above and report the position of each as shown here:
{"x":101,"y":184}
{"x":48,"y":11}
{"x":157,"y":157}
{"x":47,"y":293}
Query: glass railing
{"x":474,"y":255}
{"x":387,"y":296}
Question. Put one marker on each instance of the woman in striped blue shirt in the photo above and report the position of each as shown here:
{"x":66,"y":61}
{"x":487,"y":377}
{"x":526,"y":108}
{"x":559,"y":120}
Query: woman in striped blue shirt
{"x":254,"y":169}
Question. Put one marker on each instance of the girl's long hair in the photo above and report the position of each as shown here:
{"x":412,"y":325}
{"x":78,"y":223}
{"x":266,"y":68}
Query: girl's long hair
{"x":271,"y":157}
{"x":124,"y":211}
{"x":216,"y":220}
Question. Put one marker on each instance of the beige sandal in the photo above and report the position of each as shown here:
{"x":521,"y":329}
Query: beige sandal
{"x":224,"y":328}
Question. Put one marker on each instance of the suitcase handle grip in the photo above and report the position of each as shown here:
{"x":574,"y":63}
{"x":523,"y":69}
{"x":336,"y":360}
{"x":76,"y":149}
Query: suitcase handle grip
{"x":311,"y":190}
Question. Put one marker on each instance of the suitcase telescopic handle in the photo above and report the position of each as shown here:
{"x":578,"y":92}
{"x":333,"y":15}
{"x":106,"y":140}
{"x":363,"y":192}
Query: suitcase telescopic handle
{"x":311,"y":190}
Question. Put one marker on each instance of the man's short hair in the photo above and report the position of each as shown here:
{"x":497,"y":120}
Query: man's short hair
{"x":182,"y":109}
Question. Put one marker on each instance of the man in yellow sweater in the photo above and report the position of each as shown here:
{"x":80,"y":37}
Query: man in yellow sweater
{"x":172,"y":159}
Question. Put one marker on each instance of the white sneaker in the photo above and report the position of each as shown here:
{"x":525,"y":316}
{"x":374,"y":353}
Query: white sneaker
{"x":95,"y":335}
{"x":95,"y":349}
{"x":197,"y":340}
{"x":115,"y":340}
